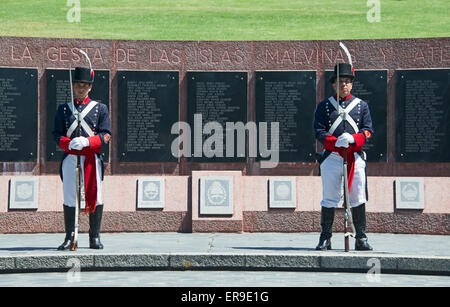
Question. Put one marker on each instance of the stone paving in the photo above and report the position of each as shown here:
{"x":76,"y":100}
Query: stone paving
{"x":225,"y":279}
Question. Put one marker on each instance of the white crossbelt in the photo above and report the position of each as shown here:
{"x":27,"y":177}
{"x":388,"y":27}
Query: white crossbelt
{"x":83,"y":123}
{"x":344,"y":113}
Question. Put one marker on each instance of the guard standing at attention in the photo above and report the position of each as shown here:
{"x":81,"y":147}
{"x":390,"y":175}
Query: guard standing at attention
{"x":95,"y":132}
{"x":329,"y":130}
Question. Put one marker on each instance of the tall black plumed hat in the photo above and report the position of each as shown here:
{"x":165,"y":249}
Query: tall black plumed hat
{"x":345,"y":70}
{"x":83,"y":74}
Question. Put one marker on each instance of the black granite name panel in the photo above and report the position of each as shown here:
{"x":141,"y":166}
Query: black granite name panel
{"x":215,"y":100}
{"x":58,"y":92}
{"x":289,"y":99}
{"x":422,"y":115}
{"x":148,"y":107}
{"x":18,"y":114}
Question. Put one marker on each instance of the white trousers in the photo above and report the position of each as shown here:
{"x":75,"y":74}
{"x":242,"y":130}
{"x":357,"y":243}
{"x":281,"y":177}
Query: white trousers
{"x":331,"y":171}
{"x":69,"y":166}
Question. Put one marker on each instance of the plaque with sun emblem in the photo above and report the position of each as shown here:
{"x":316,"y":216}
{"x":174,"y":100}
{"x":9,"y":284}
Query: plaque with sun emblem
{"x":216,"y":195}
{"x":409,"y":193}
{"x":24,"y":193}
{"x":282,"y":192}
{"x":150,"y":192}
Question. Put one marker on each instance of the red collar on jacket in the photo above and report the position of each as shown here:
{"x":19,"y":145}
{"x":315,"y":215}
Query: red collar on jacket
{"x":85,"y":101}
{"x":346,"y":98}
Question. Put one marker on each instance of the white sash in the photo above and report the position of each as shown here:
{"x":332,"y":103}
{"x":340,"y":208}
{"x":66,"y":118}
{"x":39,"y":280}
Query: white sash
{"x":344,"y":114}
{"x":83,"y":123}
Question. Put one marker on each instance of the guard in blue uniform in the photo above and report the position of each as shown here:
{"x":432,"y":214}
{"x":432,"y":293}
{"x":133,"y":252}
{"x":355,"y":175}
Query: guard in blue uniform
{"x":95,"y":132}
{"x":329,"y":130}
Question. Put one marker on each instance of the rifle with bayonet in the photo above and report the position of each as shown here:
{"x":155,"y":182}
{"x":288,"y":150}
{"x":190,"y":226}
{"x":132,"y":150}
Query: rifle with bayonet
{"x":348,"y":220}
{"x":74,"y":238}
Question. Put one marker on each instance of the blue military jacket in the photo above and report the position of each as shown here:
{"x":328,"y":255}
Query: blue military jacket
{"x":326,"y":120}
{"x":94,"y":121}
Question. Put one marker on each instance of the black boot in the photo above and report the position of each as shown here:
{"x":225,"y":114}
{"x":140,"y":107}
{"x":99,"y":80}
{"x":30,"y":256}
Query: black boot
{"x":95,"y":221}
{"x":359,"y":220}
{"x":69,"y":223}
{"x":326,"y":221}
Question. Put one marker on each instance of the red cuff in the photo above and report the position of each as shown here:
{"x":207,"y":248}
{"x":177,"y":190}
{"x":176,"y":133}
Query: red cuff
{"x":64,"y":143}
{"x":329,"y":142}
{"x":95,"y":145}
{"x":359,"y":139}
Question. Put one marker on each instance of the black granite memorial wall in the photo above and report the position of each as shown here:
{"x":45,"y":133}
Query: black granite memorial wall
{"x":18,"y":114}
{"x":405,"y":82}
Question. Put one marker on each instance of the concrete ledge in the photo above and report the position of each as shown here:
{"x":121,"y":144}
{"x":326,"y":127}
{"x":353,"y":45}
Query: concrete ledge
{"x":206,"y":261}
{"x":358,"y":262}
{"x":305,"y":261}
{"x":294,"y":262}
{"x":7,"y":263}
{"x":50,"y":263}
{"x":129,"y":261}
{"x":423,"y":264}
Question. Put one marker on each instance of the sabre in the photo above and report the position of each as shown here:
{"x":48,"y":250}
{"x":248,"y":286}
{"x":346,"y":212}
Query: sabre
{"x":349,"y":57}
{"x":347,"y":213}
{"x":89,"y":61}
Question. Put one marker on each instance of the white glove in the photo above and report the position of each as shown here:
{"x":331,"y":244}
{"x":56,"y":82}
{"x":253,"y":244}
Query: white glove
{"x":348,"y":137}
{"x":344,"y":140}
{"x":79,"y":143}
{"x":341,"y":142}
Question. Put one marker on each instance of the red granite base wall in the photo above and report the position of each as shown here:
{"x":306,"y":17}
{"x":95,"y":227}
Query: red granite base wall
{"x":277,"y":220}
{"x":139,"y":221}
{"x":409,"y":221}
{"x":253,"y":221}
{"x":217,"y":226}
